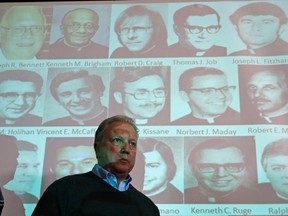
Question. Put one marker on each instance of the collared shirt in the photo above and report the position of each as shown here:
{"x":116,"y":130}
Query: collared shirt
{"x":111,"y":179}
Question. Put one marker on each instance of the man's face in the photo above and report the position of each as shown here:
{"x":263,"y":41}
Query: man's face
{"x":136,"y":33}
{"x":258,"y":31}
{"x":143,"y":108}
{"x":220,"y":171}
{"x":78,"y":97}
{"x":26,"y":35}
{"x":74,"y":160}
{"x":201,"y":41}
{"x":155,"y":171}
{"x":17,"y":98}
{"x":26,"y":171}
{"x":116,"y":152}
{"x":79,"y":27}
{"x":277,"y":173}
{"x":267,"y":92}
{"x":206,"y":103}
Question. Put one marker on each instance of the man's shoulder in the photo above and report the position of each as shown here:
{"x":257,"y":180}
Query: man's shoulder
{"x":29,"y":120}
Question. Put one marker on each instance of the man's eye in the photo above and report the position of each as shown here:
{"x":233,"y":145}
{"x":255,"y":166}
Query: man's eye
{"x":133,"y":144}
{"x":65,"y":94}
{"x":117,"y":141}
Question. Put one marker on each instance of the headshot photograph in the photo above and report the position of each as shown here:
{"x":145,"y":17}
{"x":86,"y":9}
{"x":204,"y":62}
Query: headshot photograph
{"x":261,"y":27}
{"x":196,"y":29}
{"x":141,"y":32}
{"x":273,"y":157}
{"x":22,"y":33}
{"x":67,"y":156}
{"x":162,"y":169}
{"x":19,"y":94}
{"x":80,"y":32}
{"x":223,"y":170}
{"x":207,"y":94}
{"x":141,"y":93}
{"x":264,"y":93}
{"x":78,"y":95}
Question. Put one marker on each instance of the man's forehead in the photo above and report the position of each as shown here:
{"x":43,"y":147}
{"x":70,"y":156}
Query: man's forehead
{"x":210,"y":19}
{"x":9,"y":85}
{"x":136,"y":20}
{"x":259,"y":17}
{"x":210,"y":80}
{"x":146,"y":82}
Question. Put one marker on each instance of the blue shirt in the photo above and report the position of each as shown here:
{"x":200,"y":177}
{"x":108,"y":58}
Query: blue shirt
{"x":111,"y":179}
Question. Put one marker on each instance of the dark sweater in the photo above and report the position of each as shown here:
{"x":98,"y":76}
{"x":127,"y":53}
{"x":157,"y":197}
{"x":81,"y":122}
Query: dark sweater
{"x":87,"y":194}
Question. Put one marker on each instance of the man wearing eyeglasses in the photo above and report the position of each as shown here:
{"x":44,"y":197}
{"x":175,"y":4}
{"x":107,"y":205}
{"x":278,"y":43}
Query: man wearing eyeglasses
{"x":264,"y":98}
{"x":260,"y":25}
{"x":22,"y":32}
{"x":78,"y":27}
{"x":141,"y":32}
{"x":19,"y":91}
{"x":196,"y":26}
{"x":209,"y":96}
{"x":140,"y":93}
{"x":223,"y":171}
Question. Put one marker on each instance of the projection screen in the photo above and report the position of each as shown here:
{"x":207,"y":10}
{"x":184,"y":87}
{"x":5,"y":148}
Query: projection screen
{"x":205,"y":81}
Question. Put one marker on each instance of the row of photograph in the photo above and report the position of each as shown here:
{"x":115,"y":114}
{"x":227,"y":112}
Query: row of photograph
{"x":169,"y":170}
{"x":245,"y":94}
{"x":93,"y":31}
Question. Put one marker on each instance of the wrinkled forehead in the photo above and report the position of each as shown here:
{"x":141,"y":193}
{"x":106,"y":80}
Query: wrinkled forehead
{"x":143,"y":21}
{"x":209,"y":81}
{"x":267,"y":77}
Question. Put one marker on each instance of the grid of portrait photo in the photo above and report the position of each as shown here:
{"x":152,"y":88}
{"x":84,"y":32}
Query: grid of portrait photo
{"x":205,"y":81}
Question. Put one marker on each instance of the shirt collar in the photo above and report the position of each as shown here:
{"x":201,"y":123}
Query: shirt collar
{"x":111,"y":178}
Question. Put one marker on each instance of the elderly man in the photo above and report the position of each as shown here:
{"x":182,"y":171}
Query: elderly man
{"x":221,"y":168}
{"x":107,"y":188}
{"x":140,"y":93}
{"x":265,"y":94}
{"x":275,"y":165}
{"x":259,"y":25}
{"x":78,"y":27}
{"x":141,"y":32}
{"x":22,"y":32}
{"x":79,"y":93}
{"x":209,"y":96}
{"x":19,"y":91}
{"x":196,"y":26}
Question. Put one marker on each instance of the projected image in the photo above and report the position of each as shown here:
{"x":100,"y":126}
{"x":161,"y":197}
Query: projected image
{"x":205,"y":82}
{"x":26,"y":172}
{"x":19,"y":91}
{"x":259,"y":25}
{"x":79,"y":93}
{"x":160,"y":169}
{"x":274,"y":162}
{"x":67,"y":156}
{"x":77,"y":27}
{"x":196,"y":27}
{"x":141,"y":32}
{"x":264,"y":94}
{"x":209,"y":96}
{"x":23,"y":31}
{"x":225,"y":170}
{"x":141,"y":93}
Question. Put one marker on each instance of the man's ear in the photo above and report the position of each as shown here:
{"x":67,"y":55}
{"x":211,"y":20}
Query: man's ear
{"x":282,"y":28}
{"x":118,"y":97}
{"x":184,"y":95}
{"x":176,"y":29}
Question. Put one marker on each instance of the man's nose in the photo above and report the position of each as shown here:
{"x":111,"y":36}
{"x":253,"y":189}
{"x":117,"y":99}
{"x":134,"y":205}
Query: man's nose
{"x":20,"y":100}
{"x":76,"y":98}
{"x":221,"y":171}
{"x":131,"y":34}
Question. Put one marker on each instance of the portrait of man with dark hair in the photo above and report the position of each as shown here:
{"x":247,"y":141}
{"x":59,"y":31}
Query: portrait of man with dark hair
{"x":264,"y":94}
{"x":142,"y":33}
{"x":225,"y":170}
{"x":79,"y":93}
{"x":160,"y":169}
{"x":196,"y":27}
{"x":260,"y":26}
{"x":19,"y":92}
{"x":141,"y":93}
